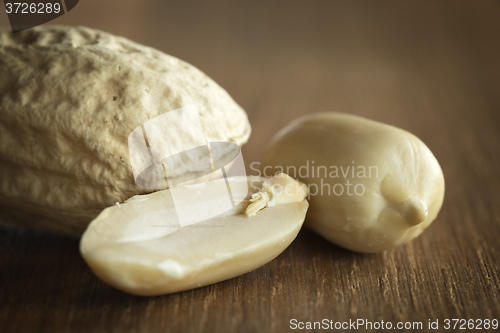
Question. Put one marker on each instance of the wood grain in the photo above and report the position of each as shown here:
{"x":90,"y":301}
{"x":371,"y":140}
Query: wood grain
{"x":430,"y":67}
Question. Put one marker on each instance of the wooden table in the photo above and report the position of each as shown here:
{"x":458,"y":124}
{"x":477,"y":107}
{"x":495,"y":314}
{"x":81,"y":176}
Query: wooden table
{"x":430,"y":67}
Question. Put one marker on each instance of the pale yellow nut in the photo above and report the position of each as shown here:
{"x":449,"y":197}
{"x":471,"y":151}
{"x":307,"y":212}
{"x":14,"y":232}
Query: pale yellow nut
{"x":69,"y":99}
{"x":372,"y":186}
{"x":139,"y":248}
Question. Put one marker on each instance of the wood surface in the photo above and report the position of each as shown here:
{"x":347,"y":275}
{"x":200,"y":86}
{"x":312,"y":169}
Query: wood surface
{"x":430,"y":67}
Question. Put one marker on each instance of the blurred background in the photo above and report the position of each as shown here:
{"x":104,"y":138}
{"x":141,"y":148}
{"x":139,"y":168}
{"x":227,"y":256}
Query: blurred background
{"x":431,"y":67}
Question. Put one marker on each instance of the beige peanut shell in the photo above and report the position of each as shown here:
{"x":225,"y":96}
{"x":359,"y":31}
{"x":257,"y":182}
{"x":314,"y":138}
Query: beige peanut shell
{"x":69,"y":98}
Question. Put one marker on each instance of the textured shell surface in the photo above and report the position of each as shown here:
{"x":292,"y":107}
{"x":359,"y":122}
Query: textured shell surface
{"x":69,"y":99}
